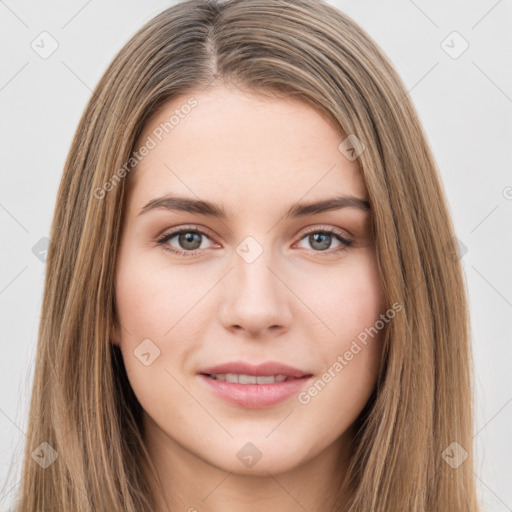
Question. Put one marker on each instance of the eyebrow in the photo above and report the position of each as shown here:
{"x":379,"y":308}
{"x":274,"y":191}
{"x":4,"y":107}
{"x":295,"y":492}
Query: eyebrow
{"x":186,"y":204}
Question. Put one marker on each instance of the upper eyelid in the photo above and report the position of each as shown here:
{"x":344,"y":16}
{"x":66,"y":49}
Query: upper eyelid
{"x":178,"y":230}
{"x":339,"y":231}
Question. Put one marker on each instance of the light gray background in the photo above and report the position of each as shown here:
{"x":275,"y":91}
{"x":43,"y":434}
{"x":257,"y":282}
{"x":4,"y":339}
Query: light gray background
{"x":465,"y":105}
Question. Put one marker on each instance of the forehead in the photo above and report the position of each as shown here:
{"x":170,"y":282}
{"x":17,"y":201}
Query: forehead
{"x":235,"y":147}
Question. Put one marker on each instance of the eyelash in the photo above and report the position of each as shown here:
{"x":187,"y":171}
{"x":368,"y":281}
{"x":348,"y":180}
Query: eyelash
{"x":346,"y":243}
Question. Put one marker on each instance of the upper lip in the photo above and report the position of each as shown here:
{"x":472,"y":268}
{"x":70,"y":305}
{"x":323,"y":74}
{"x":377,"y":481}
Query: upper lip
{"x":264,"y":369}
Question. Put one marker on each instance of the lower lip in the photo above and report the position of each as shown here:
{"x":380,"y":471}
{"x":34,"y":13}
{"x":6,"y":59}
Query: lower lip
{"x":255,"y":396}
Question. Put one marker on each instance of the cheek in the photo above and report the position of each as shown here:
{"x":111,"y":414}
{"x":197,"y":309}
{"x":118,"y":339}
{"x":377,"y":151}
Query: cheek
{"x":150,"y":301}
{"x":335,"y":398}
{"x":155,"y":302}
{"x":352,"y":305}
{"x":350,"y":300}
{"x":351,"y":361}
{"x":151,"y":296}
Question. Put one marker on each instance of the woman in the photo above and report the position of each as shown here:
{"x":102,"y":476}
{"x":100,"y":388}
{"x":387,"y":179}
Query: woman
{"x":253,"y":297}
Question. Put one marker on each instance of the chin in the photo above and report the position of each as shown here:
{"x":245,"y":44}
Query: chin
{"x":254,"y":458}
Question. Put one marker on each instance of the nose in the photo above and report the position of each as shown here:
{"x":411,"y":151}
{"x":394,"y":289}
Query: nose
{"x":255,"y":299}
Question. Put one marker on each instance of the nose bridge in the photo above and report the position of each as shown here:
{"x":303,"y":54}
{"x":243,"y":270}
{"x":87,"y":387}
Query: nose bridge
{"x":252,"y":273}
{"x":256,"y":299}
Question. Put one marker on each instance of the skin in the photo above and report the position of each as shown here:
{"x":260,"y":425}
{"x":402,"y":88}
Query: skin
{"x":256,"y":156}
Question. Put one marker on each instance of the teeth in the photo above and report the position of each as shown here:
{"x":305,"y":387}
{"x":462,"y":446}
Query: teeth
{"x":249,"y":379}
{"x":246,"y":379}
{"x":270,"y":379}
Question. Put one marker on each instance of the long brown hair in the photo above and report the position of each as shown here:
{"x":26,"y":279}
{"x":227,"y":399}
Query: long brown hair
{"x":82,"y":403}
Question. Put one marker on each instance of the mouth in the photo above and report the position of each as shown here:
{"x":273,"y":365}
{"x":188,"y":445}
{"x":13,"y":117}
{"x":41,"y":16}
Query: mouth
{"x":250,"y":386}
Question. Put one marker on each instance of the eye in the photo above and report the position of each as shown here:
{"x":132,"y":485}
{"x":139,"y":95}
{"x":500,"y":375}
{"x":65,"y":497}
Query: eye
{"x":321,"y":240}
{"x":189,"y":240}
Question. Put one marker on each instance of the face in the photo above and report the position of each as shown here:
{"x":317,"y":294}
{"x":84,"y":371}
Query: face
{"x":252,"y":297}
